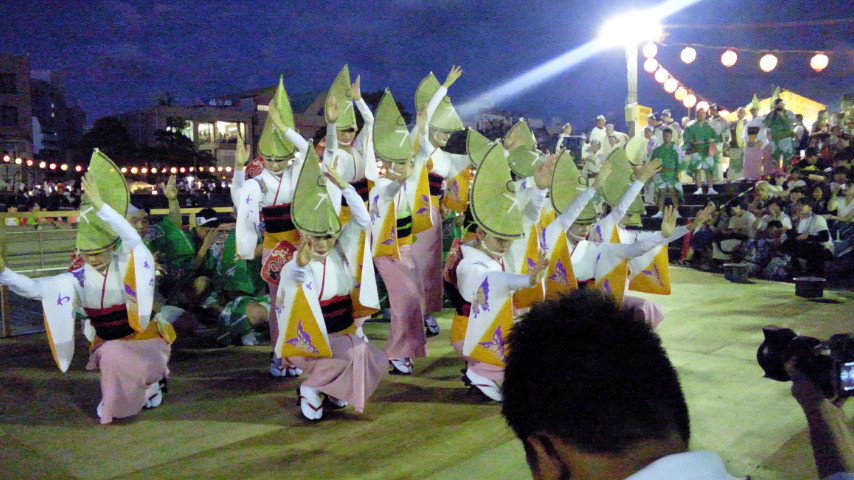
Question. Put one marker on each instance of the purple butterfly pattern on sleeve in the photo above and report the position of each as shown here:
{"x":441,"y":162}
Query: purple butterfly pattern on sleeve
{"x":655,"y":274}
{"x":303,"y":340}
{"x":560,"y":276}
{"x":481,"y":299}
{"x":496,"y":346}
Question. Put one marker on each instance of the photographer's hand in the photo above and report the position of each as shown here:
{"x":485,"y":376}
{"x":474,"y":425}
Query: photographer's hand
{"x":832,"y":445}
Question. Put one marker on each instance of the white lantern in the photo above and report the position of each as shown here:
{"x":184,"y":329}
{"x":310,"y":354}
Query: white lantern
{"x":689,"y":101}
{"x":661,"y":75}
{"x":768,"y":62}
{"x":688,"y":55}
{"x":680,"y":94}
{"x":670,"y":85}
{"x":819,"y":62}
{"x":650,"y":65}
{"x":650,"y":49}
{"x":729,"y":58}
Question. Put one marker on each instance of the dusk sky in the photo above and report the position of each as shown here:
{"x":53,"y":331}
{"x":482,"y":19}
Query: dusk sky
{"x":118,"y":55}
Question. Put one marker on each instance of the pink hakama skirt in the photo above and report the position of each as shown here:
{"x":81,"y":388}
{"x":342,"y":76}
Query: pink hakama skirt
{"x":403,"y":281}
{"x":127,"y":368}
{"x":492,"y":372}
{"x":352,"y":373}
{"x":427,"y":252}
{"x":651,"y":311}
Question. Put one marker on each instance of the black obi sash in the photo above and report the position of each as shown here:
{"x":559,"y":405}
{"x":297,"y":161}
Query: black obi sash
{"x":277,"y":219}
{"x":435,"y":182}
{"x":337,"y":313}
{"x":110,"y":323}
{"x":404,"y":226}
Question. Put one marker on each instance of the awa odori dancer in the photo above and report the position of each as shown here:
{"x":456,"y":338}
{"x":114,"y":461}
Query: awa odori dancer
{"x":432,"y":173}
{"x":115,"y":287}
{"x":640,"y":263}
{"x":315,"y":300}
{"x":391,"y":207}
{"x":485,"y":278}
{"x":267,"y":197}
{"x":353,"y":155}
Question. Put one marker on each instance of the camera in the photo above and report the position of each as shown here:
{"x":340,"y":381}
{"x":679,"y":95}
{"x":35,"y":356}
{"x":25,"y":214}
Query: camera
{"x":829,"y":364}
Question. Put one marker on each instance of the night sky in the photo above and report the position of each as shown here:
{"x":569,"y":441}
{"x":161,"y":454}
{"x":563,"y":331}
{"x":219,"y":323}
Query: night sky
{"x":119,"y":55}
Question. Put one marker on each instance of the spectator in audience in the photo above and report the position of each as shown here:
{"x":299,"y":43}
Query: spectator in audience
{"x":811,"y":246}
{"x":739,"y":229}
{"x":763,"y":253}
{"x":820,"y":196}
{"x":699,"y":252}
{"x":774,"y":213}
{"x":840,"y":220}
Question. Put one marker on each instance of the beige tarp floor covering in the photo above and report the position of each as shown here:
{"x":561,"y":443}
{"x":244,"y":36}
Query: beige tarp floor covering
{"x":224,"y":417}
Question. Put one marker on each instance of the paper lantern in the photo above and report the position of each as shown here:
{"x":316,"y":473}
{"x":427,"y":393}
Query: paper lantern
{"x":729,"y":58}
{"x":173,"y":170}
{"x":661,"y":75}
{"x":703,"y":105}
{"x":18,"y":161}
{"x":228,"y":169}
{"x":192,"y":169}
{"x":650,"y":49}
{"x":768,"y":62}
{"x":688,"y":55}
{"x":689,"y":101}
{"x":650,"y":65}
{"x":29,"y":162}
{"x":182,"y":170}
{"x":153,"y":169}
{"x":143,"y":170}
{"x":53,"y":166}
{"x":63,"y":167}
{"x":218,"y":169}
{"x":670,"y":85}
{"x":78,"y":168}
{"x":6,"y":158}
{"x":133,"y":170}
{"x":680,"y":94}
{"x":211,"y":169}
{"x":819,"y":62}
{"x":124,"y":170}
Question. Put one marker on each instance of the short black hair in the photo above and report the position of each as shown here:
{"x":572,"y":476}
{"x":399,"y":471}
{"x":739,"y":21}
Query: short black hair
{"x":592,"y":374}
{"x":774,"y":224}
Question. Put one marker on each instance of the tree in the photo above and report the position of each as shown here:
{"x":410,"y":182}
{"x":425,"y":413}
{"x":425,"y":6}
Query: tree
{"x":165,"y":99}
{"x":172,"y":148}
{"x":111,"y":137}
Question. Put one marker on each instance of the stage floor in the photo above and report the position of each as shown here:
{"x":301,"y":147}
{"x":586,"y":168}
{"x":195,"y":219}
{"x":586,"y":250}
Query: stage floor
{"x":224,"y":417}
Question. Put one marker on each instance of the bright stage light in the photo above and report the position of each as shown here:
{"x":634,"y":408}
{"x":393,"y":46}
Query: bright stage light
{"x":631,"y":29}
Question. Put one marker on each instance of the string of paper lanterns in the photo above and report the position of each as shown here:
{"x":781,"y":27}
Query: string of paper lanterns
{"x":767,"y":62}
{"x":42,"y":165}
{"x":670,"y":84}
{"x":163,"y":170}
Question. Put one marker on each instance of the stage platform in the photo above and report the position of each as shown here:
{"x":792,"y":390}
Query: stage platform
{"x":225,"y":418}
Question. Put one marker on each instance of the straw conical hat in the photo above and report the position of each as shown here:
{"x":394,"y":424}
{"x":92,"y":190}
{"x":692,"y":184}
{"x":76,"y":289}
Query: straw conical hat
{"x":620,"y":179}
{"x":567,"y":185}
{"x":391,"y":137}
{"x":93,"y":234}
{"x":445,"y":117}
{"x":523,"y":158}
{"x":273,"y":144}
{"x":340,"y":89}
{"x":312,"y":211}
{"x":476,"y":146}
{"x":492,"y":200}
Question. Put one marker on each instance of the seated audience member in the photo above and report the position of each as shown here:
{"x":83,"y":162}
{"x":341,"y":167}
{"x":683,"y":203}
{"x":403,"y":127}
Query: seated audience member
{"x":739,"y":229}
{"x":700,"y":244}
{"x":606,"y":403}
{"x":820,"y":196}
{"x":811,"y":245}
{"x":840,"y":220}
{"x":764,"y":256}
{"x":774,"y":211}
